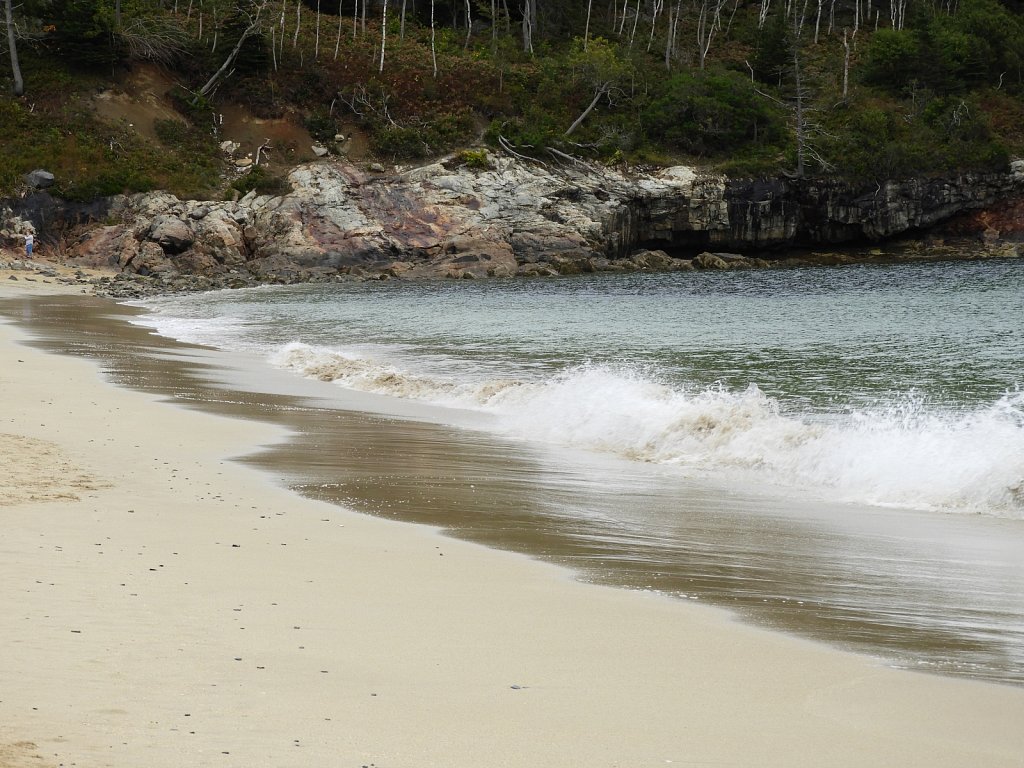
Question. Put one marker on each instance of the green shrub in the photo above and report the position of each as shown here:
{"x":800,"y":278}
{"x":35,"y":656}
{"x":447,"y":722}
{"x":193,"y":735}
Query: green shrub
{"x":477,"y":159}
{"x":978,"y":44}
{"x":418,"y":140}
{"x":893,"y":59}
{"x":711,"y":113}
{"x":321,"y":125}
{"x":881,"y":140}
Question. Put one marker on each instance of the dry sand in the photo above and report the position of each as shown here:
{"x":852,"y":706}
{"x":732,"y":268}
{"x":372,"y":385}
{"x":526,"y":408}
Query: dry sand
{"x":163,"y":606}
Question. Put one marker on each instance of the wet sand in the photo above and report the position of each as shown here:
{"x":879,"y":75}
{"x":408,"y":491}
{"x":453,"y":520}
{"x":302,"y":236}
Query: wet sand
{"x":165,"y":605}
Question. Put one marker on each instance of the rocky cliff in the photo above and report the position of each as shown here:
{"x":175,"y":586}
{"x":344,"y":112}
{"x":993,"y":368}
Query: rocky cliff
{"x":448,"y":220}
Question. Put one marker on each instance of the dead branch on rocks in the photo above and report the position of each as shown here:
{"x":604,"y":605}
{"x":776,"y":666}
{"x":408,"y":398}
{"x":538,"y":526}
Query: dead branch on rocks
{"x":508,"y":147}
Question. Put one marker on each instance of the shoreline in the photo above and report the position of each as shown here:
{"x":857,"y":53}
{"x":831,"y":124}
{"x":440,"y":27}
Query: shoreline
{"x":104,"y":277}
{"x":369,"y":641}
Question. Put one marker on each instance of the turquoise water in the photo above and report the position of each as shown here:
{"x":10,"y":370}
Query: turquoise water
{"x":833,"y":452}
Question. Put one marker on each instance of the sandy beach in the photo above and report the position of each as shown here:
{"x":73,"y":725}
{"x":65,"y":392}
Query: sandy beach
{"x":166,"y":606}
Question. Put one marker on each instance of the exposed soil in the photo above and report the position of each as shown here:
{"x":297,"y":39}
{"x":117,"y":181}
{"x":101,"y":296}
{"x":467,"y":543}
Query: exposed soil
{"x":140,"y":98}
{"x":288,"y":141}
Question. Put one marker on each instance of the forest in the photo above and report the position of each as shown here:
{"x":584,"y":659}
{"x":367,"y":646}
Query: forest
{"x":861,"y":89}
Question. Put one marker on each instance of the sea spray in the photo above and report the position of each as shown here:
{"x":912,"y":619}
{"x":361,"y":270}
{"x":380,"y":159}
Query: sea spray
{"x":909,"y":453}
{"x":898,"y":451}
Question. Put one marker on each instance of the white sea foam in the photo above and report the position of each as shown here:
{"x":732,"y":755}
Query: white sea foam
{"x":216,"y":331}
{"x":903,"y":452}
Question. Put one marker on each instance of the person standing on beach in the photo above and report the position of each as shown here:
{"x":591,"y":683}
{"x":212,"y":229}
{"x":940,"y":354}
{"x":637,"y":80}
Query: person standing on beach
{"x":29,"y":240}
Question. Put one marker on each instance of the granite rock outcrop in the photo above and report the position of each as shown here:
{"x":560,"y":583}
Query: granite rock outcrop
{"x":515,"y":218}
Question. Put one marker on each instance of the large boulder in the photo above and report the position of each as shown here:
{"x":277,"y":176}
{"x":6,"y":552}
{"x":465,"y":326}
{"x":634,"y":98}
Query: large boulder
{"x":39,"y":179}
{"x":171,"y":233}
{"x":151,"y":260}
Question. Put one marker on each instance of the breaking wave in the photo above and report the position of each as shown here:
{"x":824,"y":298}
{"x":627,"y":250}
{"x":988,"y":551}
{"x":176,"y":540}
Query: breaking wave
{"x":904,"y":452}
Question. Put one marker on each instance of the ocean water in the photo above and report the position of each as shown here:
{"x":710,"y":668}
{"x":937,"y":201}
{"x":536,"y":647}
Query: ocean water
{"x":899,"y":385}
{"x":837,"y":452}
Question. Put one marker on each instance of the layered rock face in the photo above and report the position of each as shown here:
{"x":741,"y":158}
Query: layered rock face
{"x":752,"y":215}
{"x":446,"y":220}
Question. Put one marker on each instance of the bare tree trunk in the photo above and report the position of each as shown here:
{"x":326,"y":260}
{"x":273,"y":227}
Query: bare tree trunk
{"x":702,"y":20}
{"x":337,"y":43}
{"x":383,"y":33}
{"x":298,"y":22}
{"x":19,"y":82}
{"x":316,"y":43}
{"x":673,"y":26}
{"x":363,"y":19}
{"x":401,"y":27}
{"x":433,"y":48}
{"x":801,"y":138}
{"x":586,"y":30}
{"x":469,"y":23}
{"x":254,"y":25}
{"x":355,"y":18}
{"x":846,"y":61}
{"x":273,"y":46}
{"x":636,"y":20}
{"x":658,"y":7}
{"x":817,"y":21}
{"x":709,"y":21}
{"x":601,"y":91}
{"x":899,"y":13}
{"x":284,"y":9}
{"x":799,"y":113}
{"x":732,"y":16}
{"x":528,"y":27}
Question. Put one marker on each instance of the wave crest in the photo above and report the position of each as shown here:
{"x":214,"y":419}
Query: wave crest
{"x":903,"y":452}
